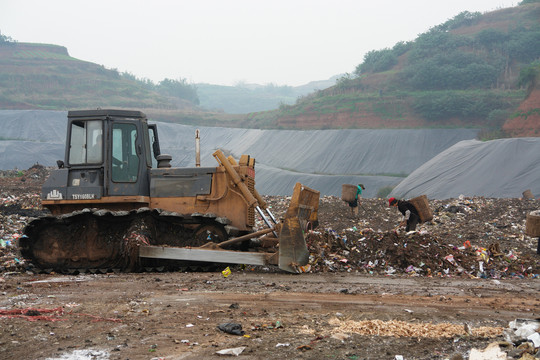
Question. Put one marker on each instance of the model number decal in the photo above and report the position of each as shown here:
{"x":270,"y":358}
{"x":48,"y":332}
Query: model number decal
{"x":84,"y":196}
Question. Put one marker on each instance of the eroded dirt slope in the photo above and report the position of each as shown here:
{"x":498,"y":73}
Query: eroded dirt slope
{"x":527,"y":124}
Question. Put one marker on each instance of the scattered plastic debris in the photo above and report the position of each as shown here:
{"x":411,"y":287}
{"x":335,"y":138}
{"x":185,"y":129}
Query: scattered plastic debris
{"x":491,"y":352}
{"x":520,"y":330}
{"x":234,"y":351}
{"x":87,"y":354}
{"x":231,"y":328}
{"x":226,"y":272}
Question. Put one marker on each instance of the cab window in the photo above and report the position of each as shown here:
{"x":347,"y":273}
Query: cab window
{"x":148,"y":139}
{"x":86,"y":142}
{"x":125,"y":162}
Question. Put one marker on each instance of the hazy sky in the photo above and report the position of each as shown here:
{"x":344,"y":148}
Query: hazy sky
{"x":283,"y":42}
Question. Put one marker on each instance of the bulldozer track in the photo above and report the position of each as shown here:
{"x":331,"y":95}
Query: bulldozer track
{"x":159,"y":269}
{"x":102,"y":241}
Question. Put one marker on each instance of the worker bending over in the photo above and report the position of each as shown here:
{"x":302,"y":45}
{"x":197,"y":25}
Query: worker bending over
{"x":410,"y":214}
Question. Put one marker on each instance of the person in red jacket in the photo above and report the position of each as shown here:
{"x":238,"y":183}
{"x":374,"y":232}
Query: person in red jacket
{"x":410,"y":214}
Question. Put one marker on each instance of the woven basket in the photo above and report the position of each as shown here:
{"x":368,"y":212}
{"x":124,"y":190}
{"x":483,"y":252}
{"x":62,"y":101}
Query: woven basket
{"x":422,"y":205}
{"x":532,"y":225}
{"x":348,"y":192}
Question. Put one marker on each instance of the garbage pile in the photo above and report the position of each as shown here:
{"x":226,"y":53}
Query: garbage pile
{"x":522,"y":341}
{"x":15,"y":213}
{"x":468,"y":237}
{"x":19,"y":201}
{"x":418,"y":254}
{"x":16,"y":182}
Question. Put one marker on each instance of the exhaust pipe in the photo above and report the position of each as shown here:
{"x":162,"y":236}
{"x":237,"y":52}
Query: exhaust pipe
{"x":197,"y":148}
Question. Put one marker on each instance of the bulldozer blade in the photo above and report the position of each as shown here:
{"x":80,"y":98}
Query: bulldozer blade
{"x":304,"y":205}
{"x":302,"y":211}
{"x":293,"y":251}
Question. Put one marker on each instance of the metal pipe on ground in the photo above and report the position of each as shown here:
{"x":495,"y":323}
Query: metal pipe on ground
{"x":245,"y":237}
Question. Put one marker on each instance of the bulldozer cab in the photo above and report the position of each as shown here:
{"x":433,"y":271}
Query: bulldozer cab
{"x":109,"y":152}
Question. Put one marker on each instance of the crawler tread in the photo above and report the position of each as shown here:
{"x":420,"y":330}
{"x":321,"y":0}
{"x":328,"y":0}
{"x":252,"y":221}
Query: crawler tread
{"x":102,"y":241}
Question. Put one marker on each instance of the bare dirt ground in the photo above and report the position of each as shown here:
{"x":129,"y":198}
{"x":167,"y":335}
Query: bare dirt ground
{"x":369,"y":292}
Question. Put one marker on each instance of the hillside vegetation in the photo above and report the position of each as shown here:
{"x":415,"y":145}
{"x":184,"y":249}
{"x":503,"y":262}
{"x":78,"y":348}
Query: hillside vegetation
{"x":246,"y":98}
{"x":43,"y":76}
{"x":473,"y":70}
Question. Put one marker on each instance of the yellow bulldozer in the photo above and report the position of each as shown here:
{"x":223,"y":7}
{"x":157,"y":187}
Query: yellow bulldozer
{"x":116,"y":203}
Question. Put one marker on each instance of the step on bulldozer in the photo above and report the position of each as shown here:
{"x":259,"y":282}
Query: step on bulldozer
{"x":117,"y":204}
